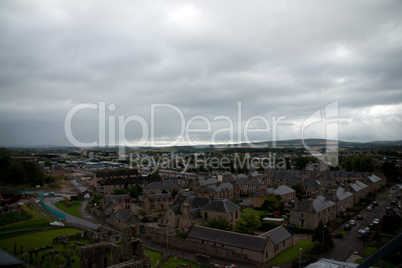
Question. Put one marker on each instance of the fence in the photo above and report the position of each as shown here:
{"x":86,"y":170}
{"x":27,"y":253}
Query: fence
{"x":59,"y":215}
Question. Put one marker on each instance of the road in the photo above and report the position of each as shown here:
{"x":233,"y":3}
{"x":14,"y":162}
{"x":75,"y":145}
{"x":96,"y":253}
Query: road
{"x":70,"y":218}
{"x":350,"y":243}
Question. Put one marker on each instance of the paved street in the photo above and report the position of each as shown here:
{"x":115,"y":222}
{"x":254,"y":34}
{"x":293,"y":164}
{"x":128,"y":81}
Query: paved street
{"x":345,"y":247}
{"x":70,"y":218}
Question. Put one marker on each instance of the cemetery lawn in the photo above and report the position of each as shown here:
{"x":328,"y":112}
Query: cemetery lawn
{"x":44,"y":257}
{"x":71,"y":207}
{"x":35,"y":240}
{"x":155,"y":256}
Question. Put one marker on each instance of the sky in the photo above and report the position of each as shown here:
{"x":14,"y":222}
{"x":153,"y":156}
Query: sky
{"x":84,"y":73}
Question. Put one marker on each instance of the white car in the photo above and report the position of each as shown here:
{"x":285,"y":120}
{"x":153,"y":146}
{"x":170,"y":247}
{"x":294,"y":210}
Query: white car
{"x":376,"y":221}
{"x":57,"y":223}
{"x":352,"y":222}
{"x":369,"y":208}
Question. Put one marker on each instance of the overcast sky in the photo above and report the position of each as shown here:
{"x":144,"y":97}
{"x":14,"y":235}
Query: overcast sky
{"x":281,"y":59}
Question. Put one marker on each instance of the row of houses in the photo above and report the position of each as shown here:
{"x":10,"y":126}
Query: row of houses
{"x":310,"y":212}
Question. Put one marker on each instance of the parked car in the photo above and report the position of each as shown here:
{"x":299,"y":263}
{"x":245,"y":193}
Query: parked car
{"x":375,"y":203}
{"x":367,"y":229}
{"x":359,"y":217}
{"x":371,"y":226}
{"x":347,"y":227}
{"x":376,"y":221}
{"x":362,"y":233}
{"x":352,"y":222}
{"x":369,"y":208}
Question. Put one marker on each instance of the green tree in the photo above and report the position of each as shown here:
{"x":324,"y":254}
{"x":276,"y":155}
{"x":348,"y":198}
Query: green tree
{"x":322,"y":232}
{"x":218,"y":223}
{"x":135,"y":191}
{"x":247,"y":223}
{"x":119,"y":191}
{"x":299,"y":188}
{"x":174,"y":193}
{"x":271,"y":203}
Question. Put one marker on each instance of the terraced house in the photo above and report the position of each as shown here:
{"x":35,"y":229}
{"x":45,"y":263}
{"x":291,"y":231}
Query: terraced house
{"x":311,"y":211}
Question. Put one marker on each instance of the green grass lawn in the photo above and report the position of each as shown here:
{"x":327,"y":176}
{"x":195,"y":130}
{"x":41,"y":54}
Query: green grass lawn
{"x":71,"y":207}
{"x":259,"y":213}
{"x":155,"y":256}
{"x":290,"y":253}
{"x":43,"y":257}
{"x":37,"y":220}
{"x":35,"y":240}
{"x":369,"y":251}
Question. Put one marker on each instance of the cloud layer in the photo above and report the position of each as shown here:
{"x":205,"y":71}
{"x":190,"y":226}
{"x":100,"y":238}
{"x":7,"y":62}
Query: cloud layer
{"x":277,"y":58}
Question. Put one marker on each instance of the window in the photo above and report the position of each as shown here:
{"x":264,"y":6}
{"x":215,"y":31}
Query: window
{"x":206,"y":216}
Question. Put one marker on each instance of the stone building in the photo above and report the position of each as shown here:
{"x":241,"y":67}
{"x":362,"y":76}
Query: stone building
{"x":161,"y":187}
{"x":152,"y":202}
{"x":287,"y":194}
{"x":118,"y":201}
{"x":359,"y":190}
{"x":102,"y":255}
{"x":219,"y":190}
{"x":311,"y":211}
{"x":246,"y":185}
{"x":197,"y":210}
{"x":221,"y":208}
{"x":253,"y":249}
{"x":342,"y":198}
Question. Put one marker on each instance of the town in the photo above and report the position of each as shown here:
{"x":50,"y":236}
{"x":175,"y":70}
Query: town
{"x":215,"y":206}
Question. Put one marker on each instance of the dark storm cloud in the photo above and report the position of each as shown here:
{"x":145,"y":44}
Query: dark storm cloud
{"x":276,"y":58}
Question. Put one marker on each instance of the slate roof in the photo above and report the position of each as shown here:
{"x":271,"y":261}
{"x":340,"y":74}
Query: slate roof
{"x":221,"y":205}
{"x":163,"y":185}
{"x":342,"y":194}
{"x":254,"y":243}
{"x":123,"y":215}
{"x":225,"y":186}
{"x":320,"y":203}
{"x":116,"y":172}
{"x":9,"y":260}
{"x":116,"y":198}
{"x":283,"y":175}
{"x":357,"y":186}
{"x":373,"y":179}
{"x":195,"y":213}
{"x":209,"y":181}
{"x":294,"y":181}
{"x":246,"y":181}
{"x":123,"y":181}
{"x":280,"y":190}
{"x":278,"y":234}
{"x":311,"y":183}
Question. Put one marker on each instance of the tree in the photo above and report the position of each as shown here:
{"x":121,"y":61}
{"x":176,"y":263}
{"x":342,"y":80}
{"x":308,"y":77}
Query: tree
{"x":299,"y":188}
{"x":218,"y":223}
{"x":119,"y":191}
{"x":390,"y":170}
{"x":135,"y":191}
{"x":271,"y":203}
{"x":174,"y":193}
{"x":247,"y":223}
{"x":319,"y":235}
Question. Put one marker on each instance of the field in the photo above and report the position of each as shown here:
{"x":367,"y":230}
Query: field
{"x":36,"y":221}
{"x":71,"y":207}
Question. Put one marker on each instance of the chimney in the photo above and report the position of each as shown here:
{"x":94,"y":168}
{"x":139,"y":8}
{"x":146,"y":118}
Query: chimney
{"x":334,"y":195}
{"x":310,"y":205}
